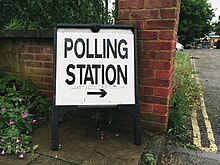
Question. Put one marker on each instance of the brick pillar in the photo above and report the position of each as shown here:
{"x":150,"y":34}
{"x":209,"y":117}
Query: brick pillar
{"x":157,"y":22}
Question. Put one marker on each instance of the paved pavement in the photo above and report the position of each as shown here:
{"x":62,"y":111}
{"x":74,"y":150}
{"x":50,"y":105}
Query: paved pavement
{"x":81,"y":144}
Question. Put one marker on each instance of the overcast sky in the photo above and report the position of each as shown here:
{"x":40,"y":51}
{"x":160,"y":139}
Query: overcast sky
{"x":216,"y":5}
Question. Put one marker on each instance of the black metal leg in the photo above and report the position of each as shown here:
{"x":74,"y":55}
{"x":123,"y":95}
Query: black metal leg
{"x":55,"y":129}
{"x":137,"y":127}
{"x":57,"y":113}
{"x":134,"y":110}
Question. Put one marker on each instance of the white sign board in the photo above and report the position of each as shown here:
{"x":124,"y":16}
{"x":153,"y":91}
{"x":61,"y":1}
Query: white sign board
{"x":94,"y":68}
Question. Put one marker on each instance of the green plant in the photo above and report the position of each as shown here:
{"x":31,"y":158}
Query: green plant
{"x":101,"y":120}
{"x":15,"y":24}
{"x":15,"y":124}
{"x":17,"y":108}
{"x":32,"y":98}
{"x":20,"y":24}
{"x":149,"y":158}
{"x":188,"y":145}
{"x":186,"y":93}
{"x":43,"y":14}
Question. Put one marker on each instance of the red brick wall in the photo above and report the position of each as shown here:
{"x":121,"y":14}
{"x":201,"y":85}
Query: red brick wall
{"x":38,"y":65}
{"x":157,"y":22}
{"x":30,"y":55}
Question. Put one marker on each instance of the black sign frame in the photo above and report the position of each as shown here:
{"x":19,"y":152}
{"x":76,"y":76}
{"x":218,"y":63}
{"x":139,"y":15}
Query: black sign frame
{"x":59,"y":111}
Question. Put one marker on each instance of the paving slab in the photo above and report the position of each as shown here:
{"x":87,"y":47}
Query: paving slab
{"x":81,"y":144}
{"x":43,"y":160}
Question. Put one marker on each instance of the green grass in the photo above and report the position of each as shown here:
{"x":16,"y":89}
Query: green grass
{"x":186,"y":92}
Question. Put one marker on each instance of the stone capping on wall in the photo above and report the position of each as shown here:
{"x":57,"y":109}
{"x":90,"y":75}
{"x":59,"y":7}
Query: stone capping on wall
{"x":41,"y":33}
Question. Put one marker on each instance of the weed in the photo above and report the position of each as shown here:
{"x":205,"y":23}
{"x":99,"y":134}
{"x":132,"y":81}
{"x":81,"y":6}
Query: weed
{"x":149,"y":158}
{"x":186,"y":92}
{"x":188,"y":145}
{"x":99,"y":119}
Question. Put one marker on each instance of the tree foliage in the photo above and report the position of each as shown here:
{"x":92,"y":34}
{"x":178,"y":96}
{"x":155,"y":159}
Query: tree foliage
{"x":217,"y":26}
{"x":34,"y":14}
{"x":195,"y":19}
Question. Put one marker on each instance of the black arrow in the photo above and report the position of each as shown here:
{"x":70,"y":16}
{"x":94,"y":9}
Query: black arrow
{"x":102,"y":93}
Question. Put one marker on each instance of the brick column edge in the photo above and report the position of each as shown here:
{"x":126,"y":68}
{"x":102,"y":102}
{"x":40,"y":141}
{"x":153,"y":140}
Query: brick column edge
{"x":157,"y":22}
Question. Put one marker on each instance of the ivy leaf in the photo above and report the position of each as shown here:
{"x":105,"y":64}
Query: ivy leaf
{"x":32,"y":154}
{"x":35,"y":147}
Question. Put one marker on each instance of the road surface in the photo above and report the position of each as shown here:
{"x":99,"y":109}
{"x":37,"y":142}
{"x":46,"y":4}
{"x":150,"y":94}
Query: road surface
{"x":207,"y":65}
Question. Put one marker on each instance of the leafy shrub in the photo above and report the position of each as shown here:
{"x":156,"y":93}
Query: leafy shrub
{"x":186,"y":93}
{"x":20,"y":105}
{"x":43,"y":14}
{"x":33,"y":100}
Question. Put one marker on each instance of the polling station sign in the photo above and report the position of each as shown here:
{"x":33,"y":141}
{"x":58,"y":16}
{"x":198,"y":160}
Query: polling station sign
{"x":95,"y":65}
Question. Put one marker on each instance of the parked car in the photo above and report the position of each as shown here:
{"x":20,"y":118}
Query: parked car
{"x":179,"y":47}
